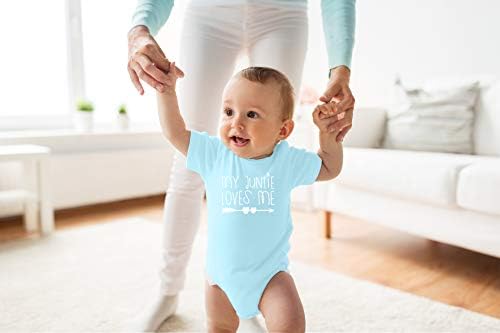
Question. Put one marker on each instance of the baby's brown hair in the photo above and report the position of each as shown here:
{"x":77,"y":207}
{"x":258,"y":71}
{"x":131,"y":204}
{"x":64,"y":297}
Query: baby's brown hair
{"x":264,"y":75}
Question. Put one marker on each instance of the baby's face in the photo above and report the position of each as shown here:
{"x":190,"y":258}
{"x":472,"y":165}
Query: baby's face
{"x":252,"y":120}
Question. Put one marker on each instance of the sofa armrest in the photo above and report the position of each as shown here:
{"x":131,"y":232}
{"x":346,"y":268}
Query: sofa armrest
{"x":368,"y":128}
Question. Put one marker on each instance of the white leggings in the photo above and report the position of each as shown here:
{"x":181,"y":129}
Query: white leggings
{"x":213,"y":37}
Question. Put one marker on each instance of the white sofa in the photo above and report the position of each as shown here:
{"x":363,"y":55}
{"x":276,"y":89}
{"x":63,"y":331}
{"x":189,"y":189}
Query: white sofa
{"x":449,"y":198}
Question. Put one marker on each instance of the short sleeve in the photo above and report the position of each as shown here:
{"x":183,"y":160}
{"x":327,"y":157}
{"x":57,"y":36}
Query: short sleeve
{"x":304,"y":166}
{"x":202,"y":152}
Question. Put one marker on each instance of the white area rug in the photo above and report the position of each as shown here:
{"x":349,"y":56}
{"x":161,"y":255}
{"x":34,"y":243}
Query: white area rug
{"x":97,"y":278}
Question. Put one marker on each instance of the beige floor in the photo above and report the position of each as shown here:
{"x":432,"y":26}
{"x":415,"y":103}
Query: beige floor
{"x":358,"y":249}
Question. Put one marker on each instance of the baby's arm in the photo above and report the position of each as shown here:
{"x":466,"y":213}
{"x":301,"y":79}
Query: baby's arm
{"x":330,"y":150}
{"x":172,"y":124}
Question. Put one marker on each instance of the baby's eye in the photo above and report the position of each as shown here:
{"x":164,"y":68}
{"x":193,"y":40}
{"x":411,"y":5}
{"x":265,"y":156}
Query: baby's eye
{"x":228,"y":112}
{"x":252,"y":114}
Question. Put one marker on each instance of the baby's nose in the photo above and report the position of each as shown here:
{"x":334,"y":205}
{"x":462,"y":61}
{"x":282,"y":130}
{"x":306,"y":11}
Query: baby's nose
{"x":238,"y":122}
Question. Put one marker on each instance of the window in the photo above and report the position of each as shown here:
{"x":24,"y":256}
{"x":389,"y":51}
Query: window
{"x":33,"y":88}
{"x":47,"y":61}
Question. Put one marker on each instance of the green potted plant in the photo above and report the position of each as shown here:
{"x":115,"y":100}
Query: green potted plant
{"x":122,"y":117}
{"x":84,"y":115}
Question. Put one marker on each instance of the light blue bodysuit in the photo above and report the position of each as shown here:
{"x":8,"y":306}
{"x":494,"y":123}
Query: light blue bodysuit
{"x":249,"y":221}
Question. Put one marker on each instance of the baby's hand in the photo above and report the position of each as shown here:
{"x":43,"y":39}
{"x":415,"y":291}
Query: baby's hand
{"x":325,"y":119}
{"x":172,"y":76}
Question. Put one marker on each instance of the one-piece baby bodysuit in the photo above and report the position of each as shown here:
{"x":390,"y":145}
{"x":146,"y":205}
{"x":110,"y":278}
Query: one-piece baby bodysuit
{"x":249,"y":221}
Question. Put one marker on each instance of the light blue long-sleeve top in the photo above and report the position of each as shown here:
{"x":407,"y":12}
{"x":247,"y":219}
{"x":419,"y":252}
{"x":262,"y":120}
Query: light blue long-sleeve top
{"x":339,"y":20}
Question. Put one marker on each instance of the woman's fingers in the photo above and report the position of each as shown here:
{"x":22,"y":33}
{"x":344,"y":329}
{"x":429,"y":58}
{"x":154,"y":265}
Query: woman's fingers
{"x":329,"y":119}
{"x":151,"y":69}
{"x":329,"y":110}
{"x":146,"y":77}
{"x":343,"y":133}
{"x":156,"y":55}
{"x":347,"y":102}
{"x":135,"y":80}
{"x":338,"y":125}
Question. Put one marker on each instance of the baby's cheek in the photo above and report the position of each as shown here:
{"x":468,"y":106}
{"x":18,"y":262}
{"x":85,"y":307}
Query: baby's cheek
{"x":223,"y":129}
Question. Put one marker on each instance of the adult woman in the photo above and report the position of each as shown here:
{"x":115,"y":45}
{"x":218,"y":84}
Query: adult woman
{"x":272,"y":33}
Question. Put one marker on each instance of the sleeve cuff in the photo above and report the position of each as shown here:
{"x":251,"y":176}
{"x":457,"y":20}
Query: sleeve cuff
{"x":194,"y":138}
{"x":340,"y":54}
{"x":317,"y":166}
{"x":141,"y":19}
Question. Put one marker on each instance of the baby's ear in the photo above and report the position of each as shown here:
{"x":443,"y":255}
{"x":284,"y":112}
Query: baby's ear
{"x":286,"y":129}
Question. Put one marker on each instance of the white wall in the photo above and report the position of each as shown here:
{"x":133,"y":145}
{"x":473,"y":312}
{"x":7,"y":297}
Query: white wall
{"x":418,"y":39}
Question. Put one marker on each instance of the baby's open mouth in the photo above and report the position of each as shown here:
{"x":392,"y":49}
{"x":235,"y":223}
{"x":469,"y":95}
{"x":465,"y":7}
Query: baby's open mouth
{"x":238,"y":141}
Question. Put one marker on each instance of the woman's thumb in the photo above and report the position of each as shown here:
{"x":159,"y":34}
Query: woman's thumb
{"x":325,"y":98}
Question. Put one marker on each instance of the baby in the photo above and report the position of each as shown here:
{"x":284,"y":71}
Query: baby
{"x":249,"y":172}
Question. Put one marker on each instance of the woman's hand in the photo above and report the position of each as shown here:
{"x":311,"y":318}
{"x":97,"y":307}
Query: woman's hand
{"x":328,"y":119}
{"x":146,"y":61}
{"x":338,"y":91}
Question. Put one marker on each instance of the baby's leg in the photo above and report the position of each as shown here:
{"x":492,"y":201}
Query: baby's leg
{"x":221,"y":316}
{"x":281,"y":306}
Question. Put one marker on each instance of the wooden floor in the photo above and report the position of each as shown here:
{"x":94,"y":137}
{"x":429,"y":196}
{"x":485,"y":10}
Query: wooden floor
{"x":358,"y":249}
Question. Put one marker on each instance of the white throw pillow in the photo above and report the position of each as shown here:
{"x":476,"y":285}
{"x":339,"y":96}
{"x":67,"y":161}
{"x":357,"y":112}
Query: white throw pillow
{"x":487,"y":121}
{"x":436,"y":119}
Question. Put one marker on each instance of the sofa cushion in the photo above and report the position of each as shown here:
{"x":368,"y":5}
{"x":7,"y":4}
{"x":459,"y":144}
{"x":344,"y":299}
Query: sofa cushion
{"x":478,"y":186}
{"x":422,"y":176}
{"x":438,"y":119}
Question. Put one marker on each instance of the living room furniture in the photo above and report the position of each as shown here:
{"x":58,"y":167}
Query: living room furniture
{"x":446,"y":197}
{"x":35,"y":196}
